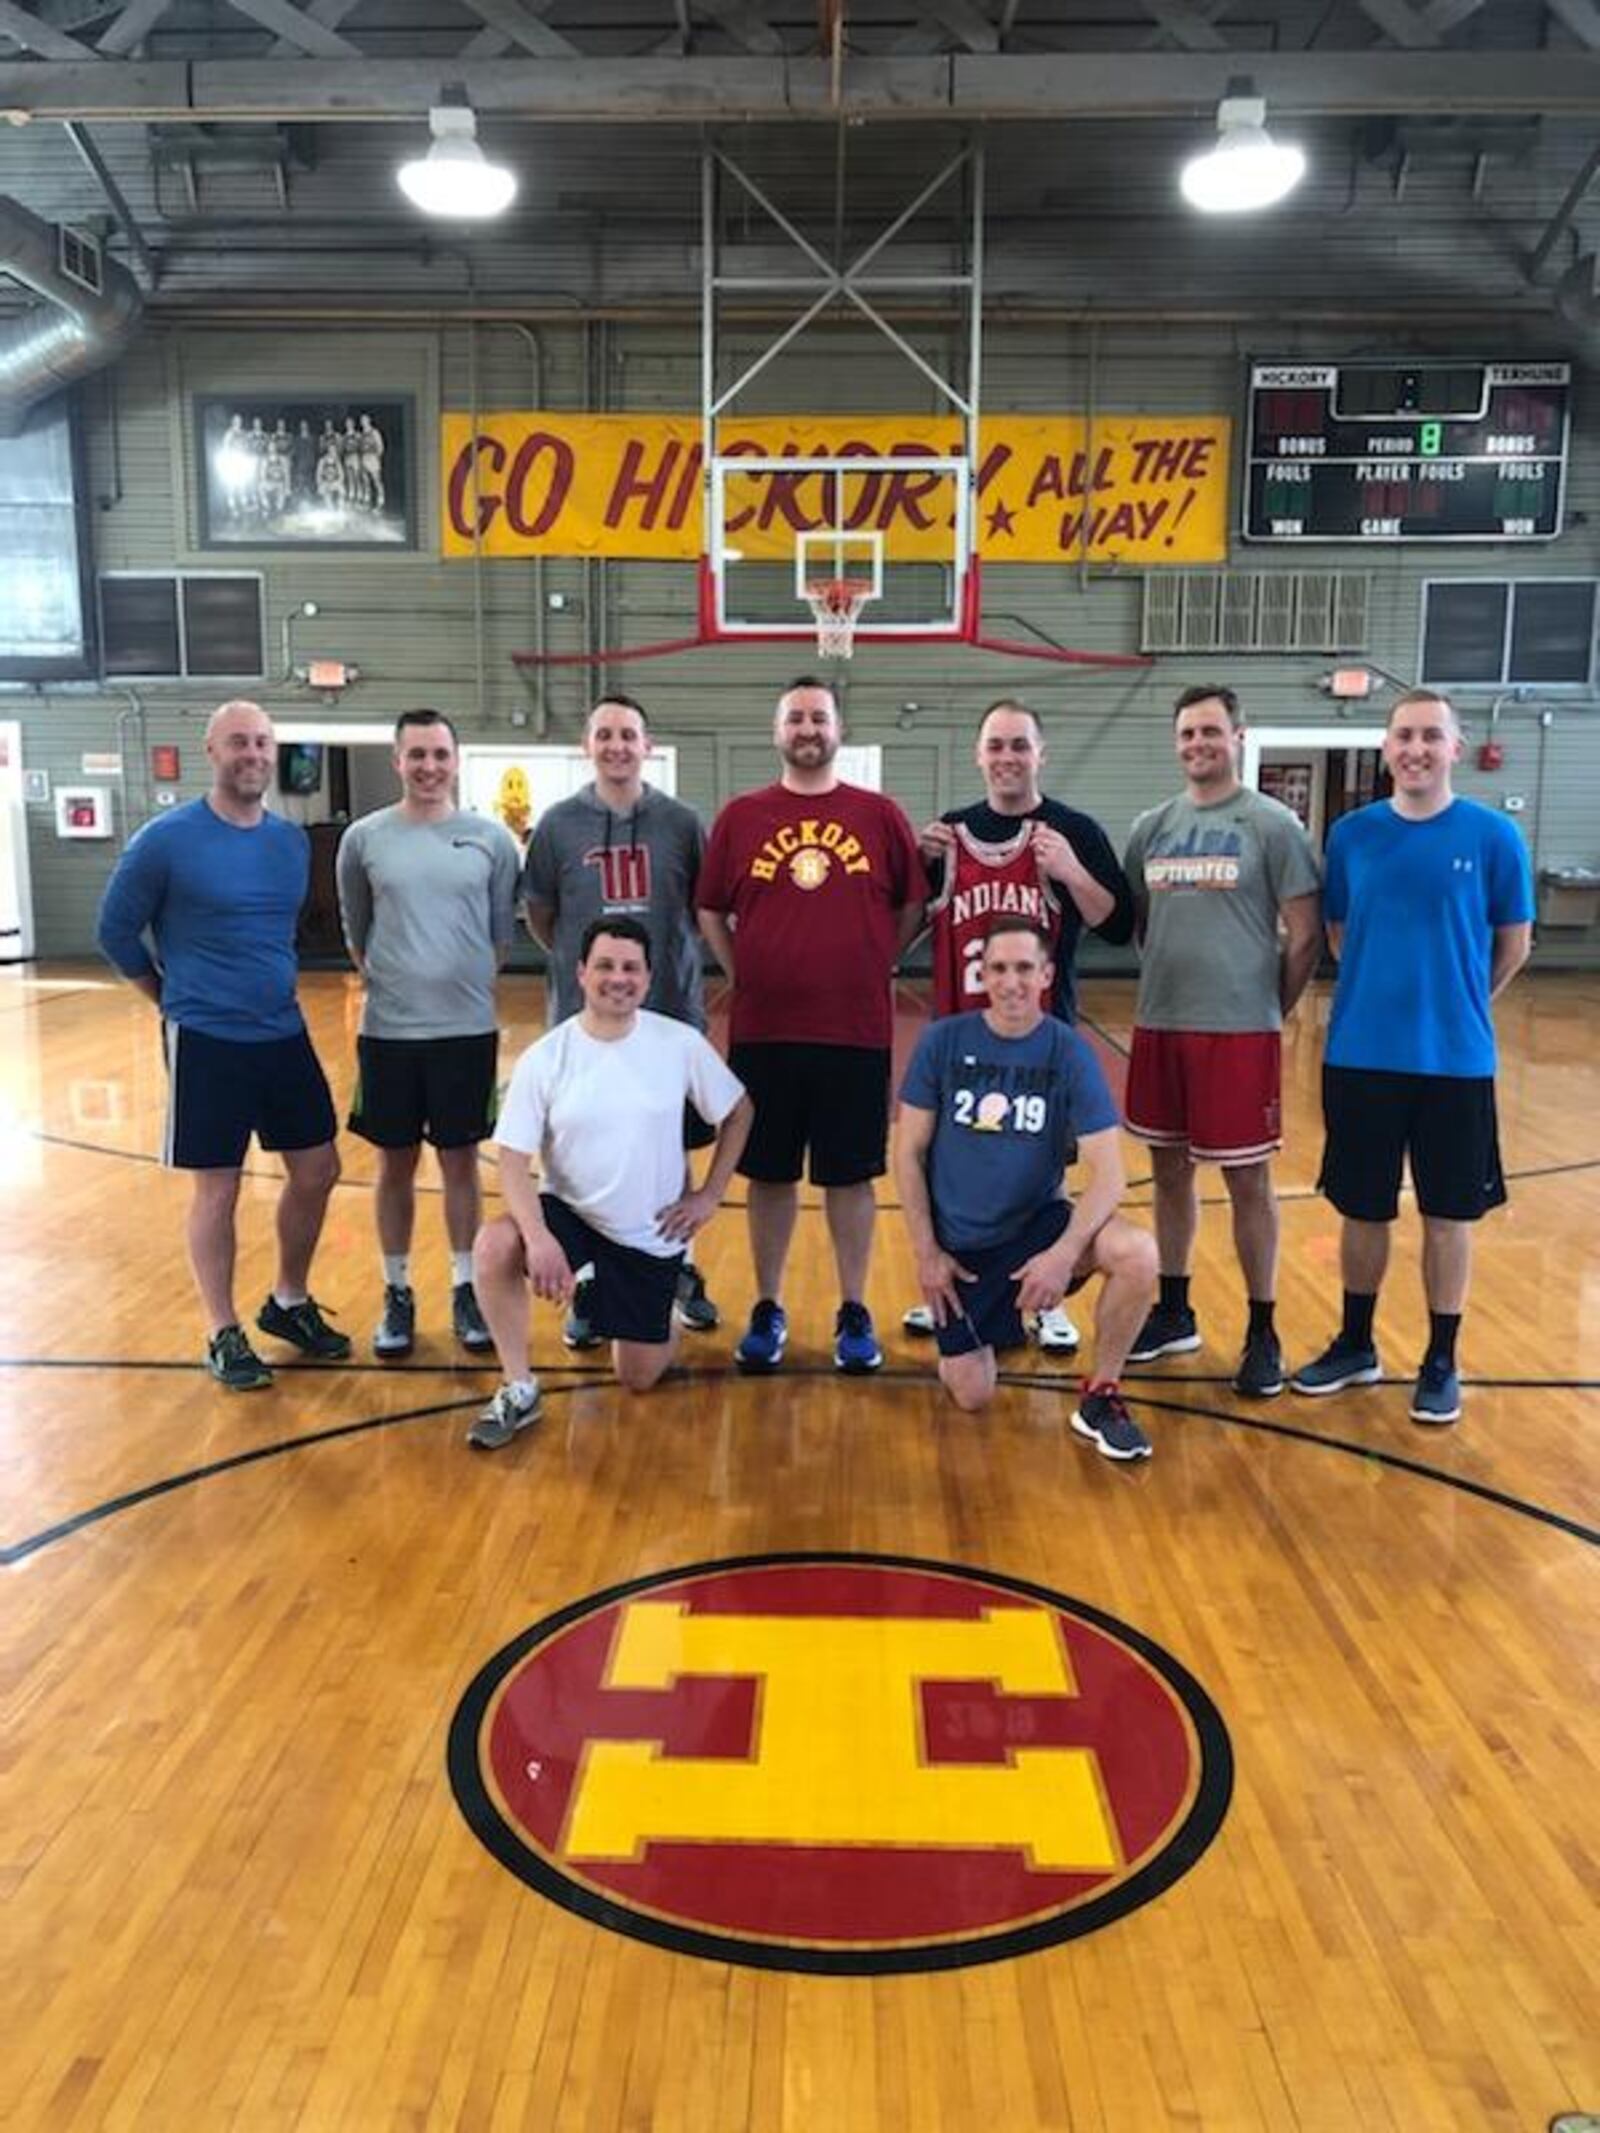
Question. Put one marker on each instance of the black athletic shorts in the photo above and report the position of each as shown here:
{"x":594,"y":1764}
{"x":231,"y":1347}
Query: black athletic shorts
{"x":220,"y":1092}
{"x":1446,"y":1125}
{"x":632,"y":1292}
{"x":830,"y":1098}
{"x":990,"y":1317}
{"x":411,"y":1089}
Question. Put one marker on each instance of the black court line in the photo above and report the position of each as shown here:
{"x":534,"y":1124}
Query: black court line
{"x":49,"y":997}
{"x":922,"y":1380}
{"x":807,"y":1207}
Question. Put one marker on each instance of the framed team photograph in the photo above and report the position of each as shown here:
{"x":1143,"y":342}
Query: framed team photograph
{"x":311,"y":473}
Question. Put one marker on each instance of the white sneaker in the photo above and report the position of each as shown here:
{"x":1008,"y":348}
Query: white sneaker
{"x":919,"y":1319}
{"x":1055,"y":1332}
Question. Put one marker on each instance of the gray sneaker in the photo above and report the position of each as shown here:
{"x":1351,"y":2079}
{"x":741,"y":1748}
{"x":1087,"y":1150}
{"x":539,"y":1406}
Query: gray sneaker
{"x":502,"y":1418}
{"x":233,"y":1362}
{"x":397,"y":1329}
{"x":577,"y":1332}
{"x":694,"y":1307}
{"x":467,"y":1320}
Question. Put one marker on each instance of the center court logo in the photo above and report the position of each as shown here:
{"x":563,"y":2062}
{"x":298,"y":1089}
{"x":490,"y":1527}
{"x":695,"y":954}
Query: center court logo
{"x":840,"y":1763}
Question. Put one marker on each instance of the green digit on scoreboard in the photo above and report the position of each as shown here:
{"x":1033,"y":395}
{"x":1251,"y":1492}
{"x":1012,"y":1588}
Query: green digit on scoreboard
{"x":1431,"y":439}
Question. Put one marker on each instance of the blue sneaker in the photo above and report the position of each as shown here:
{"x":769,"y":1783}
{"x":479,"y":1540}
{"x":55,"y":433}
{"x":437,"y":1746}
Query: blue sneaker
{"x":1343,"y":1362}
{"x":855,"y":1345}
{"x":1437,"y":1398}
{"x":762,"y":1348}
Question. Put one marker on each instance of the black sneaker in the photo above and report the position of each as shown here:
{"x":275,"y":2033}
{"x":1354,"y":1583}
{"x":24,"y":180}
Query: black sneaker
{"x":1343,"y":1362}
{"x":1102,"y":1416}
{"x":1166,"y":1331}
{"x":233,"y":1362}
{"x":693,"y":1306}
{"x":467,"y":1320}
{"x":303,"y":1326}
{"x":504,"y":1416}
{"x":397,"y":1329}
{"x":1260,"y":1372}
{"x":577,"y":1332}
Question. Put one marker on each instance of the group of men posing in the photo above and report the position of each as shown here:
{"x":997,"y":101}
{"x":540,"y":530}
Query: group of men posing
{"x":808,"y":892}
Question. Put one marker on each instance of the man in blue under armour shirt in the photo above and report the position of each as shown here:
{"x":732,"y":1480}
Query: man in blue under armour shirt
{"x":214,"y":889}
{"x":1429,"y":906}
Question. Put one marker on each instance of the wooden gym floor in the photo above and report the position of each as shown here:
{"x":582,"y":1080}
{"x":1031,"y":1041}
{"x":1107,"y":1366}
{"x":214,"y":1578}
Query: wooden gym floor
{"x":237,"y":1890}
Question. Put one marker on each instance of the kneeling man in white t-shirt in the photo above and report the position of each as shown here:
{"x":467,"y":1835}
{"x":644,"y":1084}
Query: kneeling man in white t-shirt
{"x":599,"y":1102}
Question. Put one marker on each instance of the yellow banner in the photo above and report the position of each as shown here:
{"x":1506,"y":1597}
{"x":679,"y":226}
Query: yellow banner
{"x":1141,"y":490}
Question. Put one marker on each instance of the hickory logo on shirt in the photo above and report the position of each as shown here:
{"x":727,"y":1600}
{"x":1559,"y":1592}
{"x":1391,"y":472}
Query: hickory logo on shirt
{"x":810,"y":850}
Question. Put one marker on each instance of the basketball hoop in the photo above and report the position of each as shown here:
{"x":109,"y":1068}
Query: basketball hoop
{"x":836,"y":605}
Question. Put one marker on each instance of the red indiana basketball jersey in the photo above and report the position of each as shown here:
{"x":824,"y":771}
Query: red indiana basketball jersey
{"x":983,"y":882}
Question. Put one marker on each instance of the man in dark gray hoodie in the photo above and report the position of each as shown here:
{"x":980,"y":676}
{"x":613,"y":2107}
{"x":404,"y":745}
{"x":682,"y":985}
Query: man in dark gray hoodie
{"x":619,"y":846}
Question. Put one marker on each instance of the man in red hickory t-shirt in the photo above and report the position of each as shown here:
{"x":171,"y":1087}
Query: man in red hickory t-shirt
{"x":808,"y":892}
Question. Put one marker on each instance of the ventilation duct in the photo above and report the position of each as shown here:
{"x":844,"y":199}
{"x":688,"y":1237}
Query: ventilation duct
{"x":90,"y":308}
{"x":1578,"y":307}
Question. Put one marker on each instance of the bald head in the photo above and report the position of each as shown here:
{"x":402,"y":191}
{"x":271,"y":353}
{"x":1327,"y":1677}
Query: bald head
{"x":243,"y":749}
{"x":236,"y":710}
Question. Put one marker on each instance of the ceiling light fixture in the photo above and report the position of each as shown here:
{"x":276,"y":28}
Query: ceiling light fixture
{"x":1246,"y":169}
{"x":455,"y":178}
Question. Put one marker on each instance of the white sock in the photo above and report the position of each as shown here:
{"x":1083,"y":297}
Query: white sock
{"x":397,"y":1270}
{"x":460,"y":1268}
{"x":287,"y":1303}
{"x":525,"y":1390}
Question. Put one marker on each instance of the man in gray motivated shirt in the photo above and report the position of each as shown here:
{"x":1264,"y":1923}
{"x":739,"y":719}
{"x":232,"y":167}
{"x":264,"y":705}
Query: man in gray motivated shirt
{"x":427,"y":895}
{"x":1225,"y":888}
{"x":618,"y":847}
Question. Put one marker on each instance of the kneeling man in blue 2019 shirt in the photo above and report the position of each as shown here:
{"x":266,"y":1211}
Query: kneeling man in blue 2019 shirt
{"x":990,"y":1107}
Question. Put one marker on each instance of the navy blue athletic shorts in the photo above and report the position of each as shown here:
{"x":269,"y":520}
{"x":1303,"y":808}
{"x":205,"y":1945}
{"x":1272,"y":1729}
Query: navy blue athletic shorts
{"x":633,"y":1292}
{"x":220,"y":1092}
{"x":989,"y":1316}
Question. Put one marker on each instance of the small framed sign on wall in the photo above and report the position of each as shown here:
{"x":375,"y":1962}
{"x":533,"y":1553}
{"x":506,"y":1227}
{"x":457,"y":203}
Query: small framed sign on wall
{"x":312,"y":473}
{"x":83,"y":811}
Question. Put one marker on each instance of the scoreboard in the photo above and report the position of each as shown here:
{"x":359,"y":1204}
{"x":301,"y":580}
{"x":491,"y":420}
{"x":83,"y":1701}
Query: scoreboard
{"x":1405,"y":451}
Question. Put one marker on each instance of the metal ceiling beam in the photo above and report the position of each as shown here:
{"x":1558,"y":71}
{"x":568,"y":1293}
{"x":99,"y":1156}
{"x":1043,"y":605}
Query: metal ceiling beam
{"x":83,"y":141}
{"x":36,"y":36}
{"x":965,"y":22}
{"x":1187,"y":26}
{"x":330,"y":13}
{"x":1582,"y":17}
{"x":745,"y":24}
{"x":132,"y":26}
{"x":661,"y":89}
{"x":298,"y":28}
{"x":521,"y":24}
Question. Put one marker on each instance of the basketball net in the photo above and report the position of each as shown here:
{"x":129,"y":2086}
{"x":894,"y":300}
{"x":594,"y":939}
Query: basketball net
{"x":836,"y":605}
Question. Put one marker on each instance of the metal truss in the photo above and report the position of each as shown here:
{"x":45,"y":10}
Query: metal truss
{"x":829,"y":284}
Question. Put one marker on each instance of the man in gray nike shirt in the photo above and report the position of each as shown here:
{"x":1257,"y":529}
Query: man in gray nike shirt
{"x":620,"y":847}
{"x":427,"y":896}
